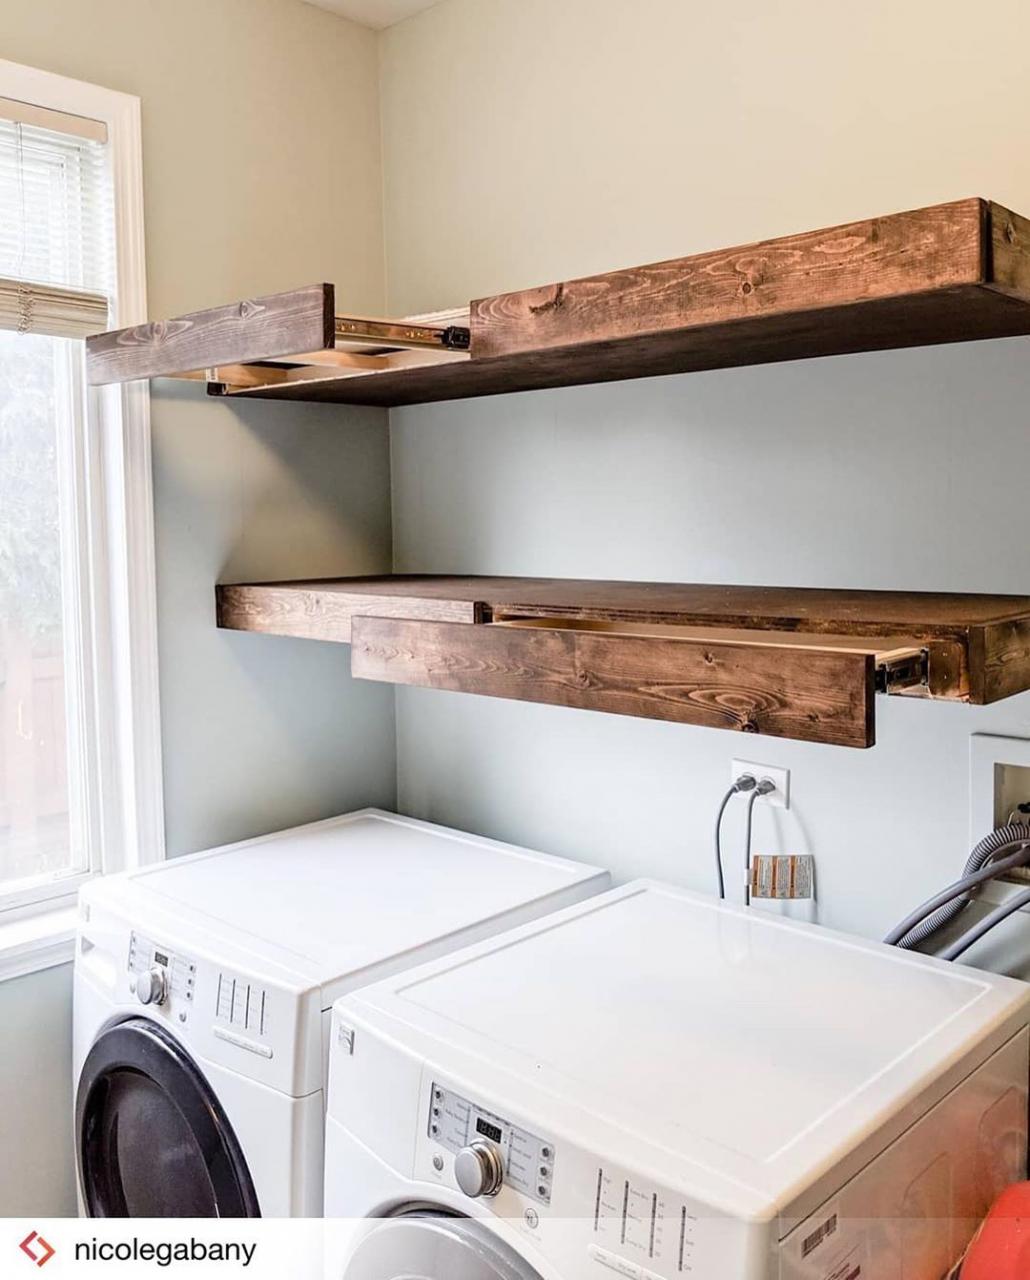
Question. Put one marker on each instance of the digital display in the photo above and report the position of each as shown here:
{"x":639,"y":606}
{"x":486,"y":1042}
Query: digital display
{"x":487,"y":1129}
{"x":160,"y":958}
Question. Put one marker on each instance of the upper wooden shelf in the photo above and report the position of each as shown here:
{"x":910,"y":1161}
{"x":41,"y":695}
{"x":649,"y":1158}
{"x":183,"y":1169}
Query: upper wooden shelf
{"x":948,"y":273}
{"x":798,"y":663}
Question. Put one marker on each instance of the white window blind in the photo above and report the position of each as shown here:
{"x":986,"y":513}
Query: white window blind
{"x":56,"y":223}
{"x":57,"y":273}
{"x":80,"y":758}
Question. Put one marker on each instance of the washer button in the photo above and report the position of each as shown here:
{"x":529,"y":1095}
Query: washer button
{"x":621,"y":1266}
{"x":241,"y":1042}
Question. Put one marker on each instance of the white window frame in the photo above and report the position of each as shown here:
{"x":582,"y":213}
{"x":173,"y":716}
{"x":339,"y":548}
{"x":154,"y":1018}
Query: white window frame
{"x":115,"y":598}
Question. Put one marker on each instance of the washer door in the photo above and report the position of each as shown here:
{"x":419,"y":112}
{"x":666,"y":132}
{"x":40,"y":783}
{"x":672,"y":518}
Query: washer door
{"x":153,"y":1140}
{"x":428,"y":1246}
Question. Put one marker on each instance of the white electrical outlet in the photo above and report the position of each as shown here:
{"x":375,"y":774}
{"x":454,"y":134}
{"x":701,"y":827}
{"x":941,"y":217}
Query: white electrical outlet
{"x":780,"y":798}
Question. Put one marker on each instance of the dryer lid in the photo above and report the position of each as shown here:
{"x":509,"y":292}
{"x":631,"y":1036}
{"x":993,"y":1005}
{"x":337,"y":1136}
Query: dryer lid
{"x":429,"y":1246}
{"x":348,"y":900}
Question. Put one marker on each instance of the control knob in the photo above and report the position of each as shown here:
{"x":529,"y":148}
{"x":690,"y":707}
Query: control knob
{"x":152,"y":986}
{"x":479,"y":1170}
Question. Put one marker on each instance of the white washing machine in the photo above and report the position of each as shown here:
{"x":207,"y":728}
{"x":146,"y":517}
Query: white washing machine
{"x":656,"y":1085}
{"x":203,"y":990}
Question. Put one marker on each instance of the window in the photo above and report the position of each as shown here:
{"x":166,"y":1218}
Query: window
{"x":79,"y":744}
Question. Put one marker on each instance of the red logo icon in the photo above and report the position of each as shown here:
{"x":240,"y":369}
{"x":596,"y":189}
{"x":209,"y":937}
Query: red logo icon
{"x":40,"y":1259}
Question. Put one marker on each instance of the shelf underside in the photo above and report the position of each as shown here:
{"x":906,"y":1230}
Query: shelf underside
{"x":798,"y":663}
{"x":949,"y":273}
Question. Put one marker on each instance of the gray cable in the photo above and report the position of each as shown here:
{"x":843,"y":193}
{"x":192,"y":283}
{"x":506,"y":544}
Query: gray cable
{"x":763,"y":789}
{"x":929,"y":921}
{"x":902,"y":934}
{"x":746,"y":782}
{"x":986,"y":925}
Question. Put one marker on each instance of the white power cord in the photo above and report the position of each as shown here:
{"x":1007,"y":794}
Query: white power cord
{"x":746,"y":782}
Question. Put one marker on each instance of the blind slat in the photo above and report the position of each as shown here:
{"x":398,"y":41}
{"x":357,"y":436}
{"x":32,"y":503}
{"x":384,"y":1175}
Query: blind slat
{"x":57,"y":312}
{"x":56,"y":211}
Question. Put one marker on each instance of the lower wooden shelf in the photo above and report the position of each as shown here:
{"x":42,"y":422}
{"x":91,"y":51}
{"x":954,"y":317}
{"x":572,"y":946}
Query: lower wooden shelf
{"x":787,"y":662}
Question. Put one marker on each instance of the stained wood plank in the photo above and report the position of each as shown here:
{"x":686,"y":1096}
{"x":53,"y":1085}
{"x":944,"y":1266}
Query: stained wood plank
{"x":954,"y":272}
{"x":1009,"y":269}
{"x":1002,"y":660}
{"x":977,"y":644}
{"x":921,"y":250}
{"x":256,"y":329}
{"x":814,"y":609}
{"x":881,"y":648}
{"x":317,"y":614}
{"x":814,"y":695}
{"x":959,"y":314}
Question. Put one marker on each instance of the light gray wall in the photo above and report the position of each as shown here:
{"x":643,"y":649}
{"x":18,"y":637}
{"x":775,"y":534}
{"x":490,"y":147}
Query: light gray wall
{"x":261,"y":732}
{"x":37,"y":1176}
{"x":601,"y":134}
{"x":868,"y":471}
{"x":241,"y":198}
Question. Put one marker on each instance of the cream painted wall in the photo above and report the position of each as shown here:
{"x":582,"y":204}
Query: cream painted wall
{"x":591,"y":134}
{"x":262,"y":172}
{"x":530,"y":140}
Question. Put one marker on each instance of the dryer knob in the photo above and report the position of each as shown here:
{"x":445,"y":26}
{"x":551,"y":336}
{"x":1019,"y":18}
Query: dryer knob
{"x":479,"y":1169}
{"x":152,"y":986}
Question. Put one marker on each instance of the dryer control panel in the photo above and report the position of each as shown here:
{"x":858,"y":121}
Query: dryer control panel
{"x":456,"y":1123}
{"x":158,"y":975}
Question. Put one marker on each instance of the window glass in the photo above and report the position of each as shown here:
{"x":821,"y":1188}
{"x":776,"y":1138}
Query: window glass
{"x":57,"y":231}
{"x":35,"y":829}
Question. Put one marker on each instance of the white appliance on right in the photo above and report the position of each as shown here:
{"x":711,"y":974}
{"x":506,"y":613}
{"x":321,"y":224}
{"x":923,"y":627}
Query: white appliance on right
{"x":657,"y":1085}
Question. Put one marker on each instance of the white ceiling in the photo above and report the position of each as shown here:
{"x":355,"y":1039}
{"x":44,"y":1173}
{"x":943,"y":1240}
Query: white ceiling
{"x":375,"y":13}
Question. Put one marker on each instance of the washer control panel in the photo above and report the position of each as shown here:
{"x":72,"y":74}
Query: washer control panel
{"x":157,"y":975}
{"x":640,"y":1230}
{"x":241,"y":1004}
{"x":456,"y":1124}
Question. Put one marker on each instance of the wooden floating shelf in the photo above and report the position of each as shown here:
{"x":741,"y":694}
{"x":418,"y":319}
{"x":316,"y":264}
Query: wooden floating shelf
{"x":793,"y":663}
{"x":949,"y":273}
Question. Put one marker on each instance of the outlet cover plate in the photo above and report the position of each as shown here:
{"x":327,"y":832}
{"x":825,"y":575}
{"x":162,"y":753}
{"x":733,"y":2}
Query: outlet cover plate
{"x":989,"y":755}
{"x":780,"y":798}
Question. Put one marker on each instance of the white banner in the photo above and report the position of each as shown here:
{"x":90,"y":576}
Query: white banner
{"x":159,"y":1248}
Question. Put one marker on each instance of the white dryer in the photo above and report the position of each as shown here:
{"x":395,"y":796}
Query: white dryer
{"x":656,"y":1085}
{"x":203,"y":990}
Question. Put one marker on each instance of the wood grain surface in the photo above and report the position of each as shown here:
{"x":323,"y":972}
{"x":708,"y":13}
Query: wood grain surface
{"x":954,"y":272}
{"x":813,"y":695}
{"x":836,"y":611}
{"x":325,"y":614}
{"x":978,"y":645}
{"x":1000,"y":660}
{"x":936,"y":248}
{"x":256,"y":329}
{"x":965,"y":313}
{"x":1009,"y":267}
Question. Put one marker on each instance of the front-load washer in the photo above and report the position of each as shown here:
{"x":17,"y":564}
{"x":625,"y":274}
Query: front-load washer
{"x":657,"y":1085}
{"x":203,"y":989}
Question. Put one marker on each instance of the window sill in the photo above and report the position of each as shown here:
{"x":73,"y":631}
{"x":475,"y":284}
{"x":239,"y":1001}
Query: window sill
{"x":37,"y":942}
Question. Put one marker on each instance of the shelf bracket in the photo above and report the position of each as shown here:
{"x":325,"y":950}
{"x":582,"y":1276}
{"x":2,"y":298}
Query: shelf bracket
{"x":904,"y":673}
